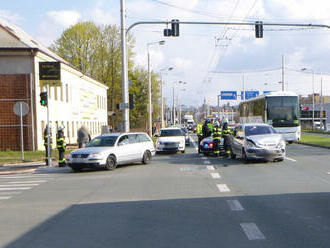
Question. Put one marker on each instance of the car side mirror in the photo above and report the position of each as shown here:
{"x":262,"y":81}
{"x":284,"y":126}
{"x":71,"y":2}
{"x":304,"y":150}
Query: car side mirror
{"x":240,"y":137}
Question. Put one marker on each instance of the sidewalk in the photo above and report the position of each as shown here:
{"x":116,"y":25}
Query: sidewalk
{"x":20,"y":167}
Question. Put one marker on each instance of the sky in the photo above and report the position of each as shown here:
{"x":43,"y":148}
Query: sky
{"x":207,"y":58}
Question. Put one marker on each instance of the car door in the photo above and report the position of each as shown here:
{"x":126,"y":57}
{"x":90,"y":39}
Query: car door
{"x":238,"y":140}
{"x":134,"y":147}
{"x":122,"y":150}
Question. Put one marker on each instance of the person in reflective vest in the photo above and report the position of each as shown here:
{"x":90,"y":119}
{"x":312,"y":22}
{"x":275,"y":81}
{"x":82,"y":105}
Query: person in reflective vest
{"x":199,"y":131}
{"x":61,"y":146}
{"x":226,"y":132}
{"x":46,"y":143}
{"x":216,"y":138}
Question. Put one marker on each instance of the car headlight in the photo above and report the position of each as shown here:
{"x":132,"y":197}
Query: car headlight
{"x":281,"y":145}
{"x":96,"y":155}
{"x":250,"y":144}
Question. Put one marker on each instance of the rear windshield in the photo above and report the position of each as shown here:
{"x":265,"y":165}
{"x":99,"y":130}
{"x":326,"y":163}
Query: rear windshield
{"x":170,"y":132}
{"x":103,"y":141}
{"x":258,"y":130}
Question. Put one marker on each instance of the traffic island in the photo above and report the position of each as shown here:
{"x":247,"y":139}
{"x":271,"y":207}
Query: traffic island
{"x":314,"y":140}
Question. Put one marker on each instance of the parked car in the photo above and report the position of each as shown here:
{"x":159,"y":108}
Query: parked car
{"x":206,"y":146}
{"x":170,"y":140}
{"x":109,"y":150}
{"x":257,"y":141}
{"x":186,"y":135}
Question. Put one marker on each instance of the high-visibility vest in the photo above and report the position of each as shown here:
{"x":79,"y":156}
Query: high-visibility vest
{"x":210,"y":126}
{"x":199,"y":128}
{"x":216,"y":133}
{"x":46,"y":140}
{"x":60,"y":142}
{"x":226,"y":132}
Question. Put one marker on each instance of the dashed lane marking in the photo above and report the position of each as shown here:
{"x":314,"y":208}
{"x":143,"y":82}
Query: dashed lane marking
{"x":223,"y":188}
{"x":207,"y":162}
{"x":5,"y":197}
{"x":291,"y":159}
{"x":210,"y":167}
{"x":235,"y":205}
{"x":215,"y":175}
{"x":252,"y":231}
{"x":37,"y":181}
{"x":17,"y":188}
{"x":19,"y":185}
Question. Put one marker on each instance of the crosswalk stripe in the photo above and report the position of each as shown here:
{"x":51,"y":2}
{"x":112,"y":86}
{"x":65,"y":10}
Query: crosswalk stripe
{"x":38,"y":181}
{"x":223,"y":188}
{"x":19,"y":185}
{"x":215,"y":175}
{"x":252,"y":231}
{"x":235,"y":205}
{"x":17,"y":188}
{"x":5,"y":197}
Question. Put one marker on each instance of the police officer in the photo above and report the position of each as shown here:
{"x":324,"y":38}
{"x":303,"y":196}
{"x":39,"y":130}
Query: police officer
{"x":226,"y":132}
{"x":46,"y":142}
{"x":61,"y":146}
{"x":216,"y":138}
{"x":199,"y":131}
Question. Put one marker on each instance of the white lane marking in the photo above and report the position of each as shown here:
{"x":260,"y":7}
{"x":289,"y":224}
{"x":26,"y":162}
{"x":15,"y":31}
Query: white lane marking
{"x":291,"y":159}
{"x":24,"y":177}
{"x":203,"y":158}
{"x":215,"y":175}
{"x":252,"y":231}
{"x":235,"y":205}
{"x":210,"y":167}
{"x":19,"y":185}
{"x":17,"y":188}
{"x":11,"y":192}
{"x":328,"y":172}
{"x":223,"y":188}
{"x":5,"y":197}
{"x":206,"y":162}
{"x":38,"y":181}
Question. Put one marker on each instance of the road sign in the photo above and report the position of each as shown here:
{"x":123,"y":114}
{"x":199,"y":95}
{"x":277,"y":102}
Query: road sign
{"x":267,"y":91}
{"x":50,"y":73}
{"x":21,"y":108}
{"x":123,"y":106}
{"x":228,"y":95}
{"x":250,"y":94}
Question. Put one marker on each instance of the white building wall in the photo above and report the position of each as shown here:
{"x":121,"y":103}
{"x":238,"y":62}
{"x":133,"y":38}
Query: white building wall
{"x":80,"y":100}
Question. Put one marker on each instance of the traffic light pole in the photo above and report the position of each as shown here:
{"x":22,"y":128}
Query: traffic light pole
{"x":48,"y":131}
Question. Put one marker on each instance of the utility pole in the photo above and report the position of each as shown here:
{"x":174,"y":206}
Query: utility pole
{"x":124,"y":68}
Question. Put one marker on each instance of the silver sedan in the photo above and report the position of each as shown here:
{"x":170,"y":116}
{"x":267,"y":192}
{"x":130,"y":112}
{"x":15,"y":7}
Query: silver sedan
{"x":257,"y":141}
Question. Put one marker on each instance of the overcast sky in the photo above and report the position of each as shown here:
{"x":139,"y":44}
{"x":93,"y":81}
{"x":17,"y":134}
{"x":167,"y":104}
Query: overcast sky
{"x":208,"y":58}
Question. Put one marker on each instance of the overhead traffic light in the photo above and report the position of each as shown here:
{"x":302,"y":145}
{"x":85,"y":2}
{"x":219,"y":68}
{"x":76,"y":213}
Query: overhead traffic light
{"x":43,"y":99}
{"x":259,"y":29}
{"x":174,"y":31}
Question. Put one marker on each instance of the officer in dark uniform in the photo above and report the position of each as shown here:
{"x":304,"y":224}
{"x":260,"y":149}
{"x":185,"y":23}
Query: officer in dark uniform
{"x":46,"y":143}
{"x":61,"y":146}
{"x":216,"y":138}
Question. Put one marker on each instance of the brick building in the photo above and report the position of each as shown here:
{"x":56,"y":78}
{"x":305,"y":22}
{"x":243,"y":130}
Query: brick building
{"x":80,"y":100}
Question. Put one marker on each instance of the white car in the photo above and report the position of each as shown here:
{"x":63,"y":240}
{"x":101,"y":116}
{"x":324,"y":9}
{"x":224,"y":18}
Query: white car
{"x":108,"y":150}
{"x":171,"y":140}
{"x":257,"y":141}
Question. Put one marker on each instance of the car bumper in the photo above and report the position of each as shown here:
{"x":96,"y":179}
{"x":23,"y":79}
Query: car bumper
{"x":256,"y":153}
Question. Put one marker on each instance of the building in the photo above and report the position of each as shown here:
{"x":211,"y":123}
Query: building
{"x":306,"y":116}
{"x":80,"y":99}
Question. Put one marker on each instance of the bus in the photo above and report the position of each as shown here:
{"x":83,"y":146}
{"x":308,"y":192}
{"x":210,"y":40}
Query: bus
{"x":279,"y":109}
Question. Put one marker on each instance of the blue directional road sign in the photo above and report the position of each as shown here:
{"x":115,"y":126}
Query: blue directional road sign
{"x":250,"y":94}
{"x":228,"y":95}
{"x":267,"y":91}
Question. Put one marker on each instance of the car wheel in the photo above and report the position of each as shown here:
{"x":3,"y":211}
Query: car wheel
{"x":183,"y":151}
{"x":111,"y":163}
{"x":232,"y":154}
{"x":146,"y":157}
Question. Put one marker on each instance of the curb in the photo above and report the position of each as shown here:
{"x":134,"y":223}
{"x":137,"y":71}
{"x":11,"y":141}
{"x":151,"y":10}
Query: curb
{"x":20,"y":167}
{"x":310,"y":144}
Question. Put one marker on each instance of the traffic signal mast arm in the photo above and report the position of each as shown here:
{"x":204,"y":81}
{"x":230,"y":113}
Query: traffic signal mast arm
{"x":231,"y":23}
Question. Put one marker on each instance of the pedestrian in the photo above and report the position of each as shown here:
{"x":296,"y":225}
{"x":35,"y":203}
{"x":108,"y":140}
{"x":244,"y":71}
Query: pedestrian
{"x":83,"y":136}
{"x":206,"y":129}
{"x":226,"y":132}
{"x":216,"y":139}
{"x":154,"y":129}
{"x":46,"y":142}
{"x":61,"y":146}
{"x":199,"y":131}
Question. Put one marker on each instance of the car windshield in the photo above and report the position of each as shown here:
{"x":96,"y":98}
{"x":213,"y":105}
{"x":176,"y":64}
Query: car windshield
{"x":102,"y":141}
{"x":170,"y":132}
{"x":258,"y":130}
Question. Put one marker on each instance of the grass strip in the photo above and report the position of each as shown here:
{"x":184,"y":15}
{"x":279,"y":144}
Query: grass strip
{"x":313,"y":139}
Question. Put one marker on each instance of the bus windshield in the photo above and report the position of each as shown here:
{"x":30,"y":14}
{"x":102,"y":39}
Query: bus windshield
{"x":283,"y":111}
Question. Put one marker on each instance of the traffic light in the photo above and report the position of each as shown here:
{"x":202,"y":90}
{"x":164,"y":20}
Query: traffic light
{"x":259,"y":29}
{"x":131,"y":101}
{"x":43,"y":99}
{"x":167,"y":32}
{"x":175,"y":27}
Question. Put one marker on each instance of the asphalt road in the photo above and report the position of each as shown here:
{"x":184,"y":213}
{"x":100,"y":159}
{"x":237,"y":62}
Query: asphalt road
{"x":179,"y":200}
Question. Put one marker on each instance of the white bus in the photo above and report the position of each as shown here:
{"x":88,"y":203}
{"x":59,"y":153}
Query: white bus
{"x":279,"y":109}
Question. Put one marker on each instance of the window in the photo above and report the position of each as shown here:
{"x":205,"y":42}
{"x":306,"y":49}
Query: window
{"x":68,"y":129}
{"x":61,"y":89}
{"x":132,"y":138}
{"x":67,"y":92}
{"x":123,"y":140}
{"x":73,"y":129}
{"x":143,"y":138}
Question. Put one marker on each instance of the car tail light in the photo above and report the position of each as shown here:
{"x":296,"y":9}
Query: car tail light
{"x":211,"y":144}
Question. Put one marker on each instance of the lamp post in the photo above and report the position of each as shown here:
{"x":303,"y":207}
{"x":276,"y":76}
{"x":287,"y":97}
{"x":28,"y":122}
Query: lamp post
{"x":162,"y":42}
{"x":173,"y":109}
{"x":179,"y":103}
{"x":313,"y":101}
{"x":161,"y":94}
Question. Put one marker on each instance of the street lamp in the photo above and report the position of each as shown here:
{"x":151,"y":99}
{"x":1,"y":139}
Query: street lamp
{"x":305,"y":69}
{"x":162,"y":42}
{"x":161,"y":94}
{"x":179,"y":82}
